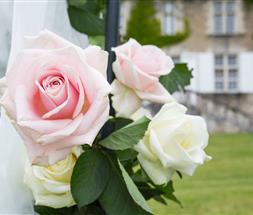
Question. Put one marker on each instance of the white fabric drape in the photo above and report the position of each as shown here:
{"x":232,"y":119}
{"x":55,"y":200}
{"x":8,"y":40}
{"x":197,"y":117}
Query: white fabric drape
{"x":29,"y":17}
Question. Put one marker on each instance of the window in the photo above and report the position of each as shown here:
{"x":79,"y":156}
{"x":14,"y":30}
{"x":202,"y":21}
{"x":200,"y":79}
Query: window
{"x":169,"y":18}
{"x":218,"y":17}
{"x":224,"y":16}
{"x":219,"y":60}
{"x":226,"y":72}
{"x":232,"y":72}
{"x":219,"y":72}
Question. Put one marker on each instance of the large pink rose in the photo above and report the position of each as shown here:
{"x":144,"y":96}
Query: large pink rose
{"x":56,"y":96}
{"x":137,"y":69}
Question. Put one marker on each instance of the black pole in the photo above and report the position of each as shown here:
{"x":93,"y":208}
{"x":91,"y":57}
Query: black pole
{"x":111,"y":40}
{"x":111,"y":36}
{"x":111,"y":33}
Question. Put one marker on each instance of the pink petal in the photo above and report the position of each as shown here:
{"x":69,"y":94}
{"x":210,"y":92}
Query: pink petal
{"x":66,"y":109}
{"x":46,"y":100}
{"x":74,"y":79}
{"x":58,"y":135}
{"x":131,"y":76}
{"x":97,"y":58}
{"x":46,"y":40}
{"x":155,"y":93}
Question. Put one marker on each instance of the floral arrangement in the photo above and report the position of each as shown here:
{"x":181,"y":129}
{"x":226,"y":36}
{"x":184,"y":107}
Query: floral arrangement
{"x":83,"y":161}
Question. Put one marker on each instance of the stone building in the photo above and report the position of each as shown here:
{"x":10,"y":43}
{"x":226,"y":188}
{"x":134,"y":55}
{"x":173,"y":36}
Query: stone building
{"x":220,"y":51}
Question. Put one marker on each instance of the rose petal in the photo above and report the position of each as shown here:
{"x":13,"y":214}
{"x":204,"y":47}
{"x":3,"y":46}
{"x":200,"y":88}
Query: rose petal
{"x":155,"y":170}
{"x":46,"y":40}
{"x":66,"y":109}
{"x":60,"y":134}
{"x":152,"y":60}
{"x":124,"y":100}
{"x":97,"y":58}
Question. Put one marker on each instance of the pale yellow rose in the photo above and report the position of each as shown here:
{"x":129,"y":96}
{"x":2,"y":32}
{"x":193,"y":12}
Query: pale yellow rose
{"x":173,"y":141}
{"x":51,"y":185}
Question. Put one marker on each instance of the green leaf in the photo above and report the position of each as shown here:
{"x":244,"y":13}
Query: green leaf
{"x":115,"y":123}
{"x":121,"y":122}
{"x":133,"y":190}
{"x":179,"y":174}
{"x":97,"y":40}
{"x":127,"y":136}
{"x":116,"y":199}
{"x":160,"y":199}
{"x":77,"y":3}
{"x":147,"y":191}
{"x":140,"y":176}
{"x":125,"y":155}
{"x":95,"y":6}
{"x":94,"y":210}
{"x":90,"y":176}
{"x":44,"y":210}
{"x":177,"y":79}
{"x":85,"y":22}
{"x":168,"y":192}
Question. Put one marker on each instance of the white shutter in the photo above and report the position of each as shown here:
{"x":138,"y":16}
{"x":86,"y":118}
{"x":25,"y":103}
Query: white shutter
{"x":203,"y":70}
{"x":205,"y":79}
{"x":246,"y":72}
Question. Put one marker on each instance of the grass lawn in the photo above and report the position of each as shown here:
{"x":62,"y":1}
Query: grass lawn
{"x":223,"y":186}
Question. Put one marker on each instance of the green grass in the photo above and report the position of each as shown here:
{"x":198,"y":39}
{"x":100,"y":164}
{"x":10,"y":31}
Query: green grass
{"x":223,"y":186}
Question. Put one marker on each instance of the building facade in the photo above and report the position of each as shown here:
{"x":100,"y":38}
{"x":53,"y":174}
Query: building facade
{"x":220,"y":51}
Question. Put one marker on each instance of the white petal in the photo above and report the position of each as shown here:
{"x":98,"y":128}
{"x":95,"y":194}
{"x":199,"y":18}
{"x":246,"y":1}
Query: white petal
{"x":157,"y":173}
{"x":124,"y":100}
{"x":141,"y":112}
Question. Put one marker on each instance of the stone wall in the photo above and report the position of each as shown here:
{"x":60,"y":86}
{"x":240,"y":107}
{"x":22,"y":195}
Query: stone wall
{"x":223,"y":113}
{"x":198,"y":13}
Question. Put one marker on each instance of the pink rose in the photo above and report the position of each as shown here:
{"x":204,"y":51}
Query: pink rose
{"x":138,"y":69}
{"x":56,"y":96}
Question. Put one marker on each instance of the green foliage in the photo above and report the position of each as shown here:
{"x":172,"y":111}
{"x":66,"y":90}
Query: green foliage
{"x":133,"y":190}
{"x":177,"y":79}
{"x":142,"y":25}
{"x":127,"y":136}
{"x":77,"y":3}
{"x":125,"y":155}
{"x":174,"y":39}
{"x":85,"y":16}
{"x":97,"y":40}
{"x":118,"y":122}
{"x":150,"y":190}
{"x":43,"y":210}
{"x":248,"y":4}
{"x":168,"y":192}
{"x":116,"y":199}
{"x":146,"y":28}
{"x":89,"y":178}
{"x":92,"y":209}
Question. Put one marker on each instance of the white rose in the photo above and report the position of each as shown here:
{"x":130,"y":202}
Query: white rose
{"x":51,"y":185}
{"x":173,"y":141}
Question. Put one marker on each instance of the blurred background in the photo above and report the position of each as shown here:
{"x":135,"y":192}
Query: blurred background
{"x":215,"y":38}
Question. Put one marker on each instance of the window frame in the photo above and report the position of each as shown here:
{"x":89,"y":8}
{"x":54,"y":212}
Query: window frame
{"x":227,"y":17}
{"x":226,"y":80}
{"x":169,"y":15}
